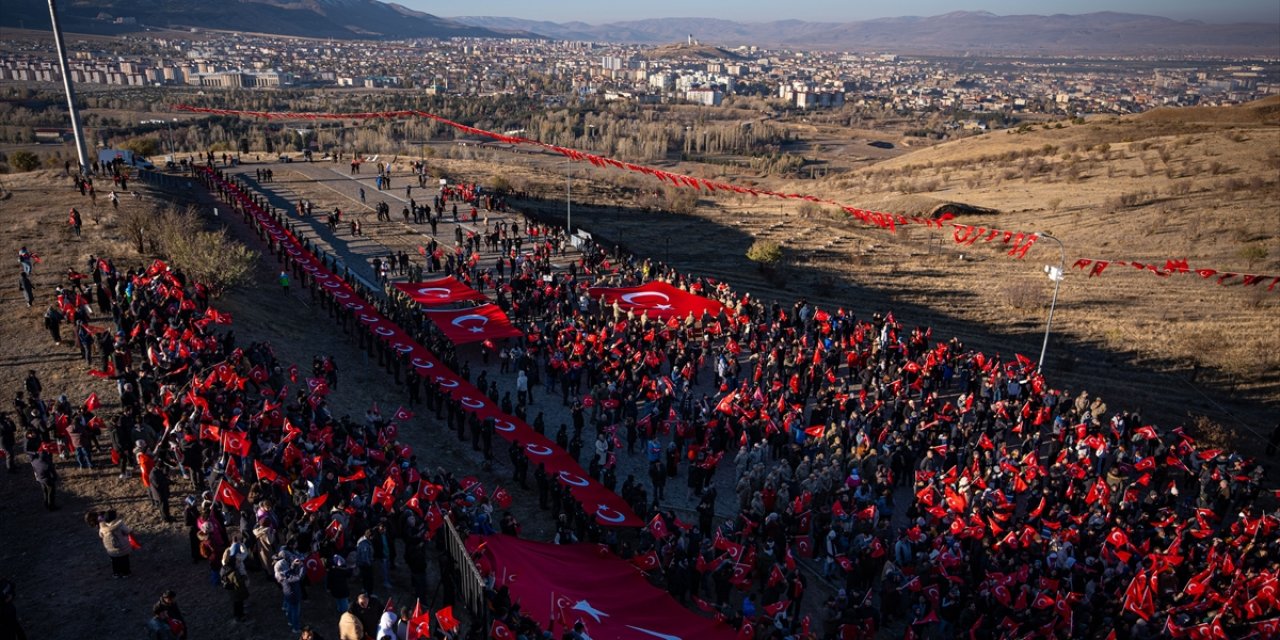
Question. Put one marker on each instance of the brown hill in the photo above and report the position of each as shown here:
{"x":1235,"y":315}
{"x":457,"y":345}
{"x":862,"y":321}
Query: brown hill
{"x":683,"y":51}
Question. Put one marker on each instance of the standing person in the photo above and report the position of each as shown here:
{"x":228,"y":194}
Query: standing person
{"x":350,"y":627}
{"x":8,"y":441}
{"x":115,"y":539}
{"x":10,"y":628}
{"x":25,"y":258}
{"x":284,"y":281}
{"x":364,"y":560}
{"x":177,"y":623}
{"x":74,"y":220}
{"x":158,"y":626}
{"x":158,"y":490}
{"x":27,"y":289}
{"x":288,"y":572}
{"x":53,"y":322}
{"x":235,"y":579}
{"x":47,"y":475}
{"x":337,"y":580}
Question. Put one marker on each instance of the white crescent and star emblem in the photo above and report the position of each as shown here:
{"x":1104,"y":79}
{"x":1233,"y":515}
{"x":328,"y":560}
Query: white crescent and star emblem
{"x":630,"y":298}
{"x":310,"y":267}
{"x":573,"y":479}
{"x":538,"y":450}
{"x":446,"y":382}
{"x":364,"y":317}
{"x":585,"y":607}
{"x":332,"y":284}
{"x":355,"y":306}
{"x":613,"y":515}
{"x":294,"y":252}
{"x":457,"y":322}
{"x":402,"y":347}
{"x":341,"y":295}
{"x":470,"y":403}
{"x":426,"y":291}
{"x":504,"y":425}
{"x":384,"y":331}
{"x":423,"y":364}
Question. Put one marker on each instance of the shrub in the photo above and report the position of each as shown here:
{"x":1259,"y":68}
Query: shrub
{"x":766,"y":253}
{"x":1253,"y":254}
{"x":24,"y":161}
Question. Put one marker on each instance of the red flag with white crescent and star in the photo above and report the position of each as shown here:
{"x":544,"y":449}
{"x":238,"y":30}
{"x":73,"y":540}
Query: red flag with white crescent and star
{"x":227,"y":495}
{"x":578,"y":583}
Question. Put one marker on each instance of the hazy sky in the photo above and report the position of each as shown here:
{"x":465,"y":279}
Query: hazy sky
{"x":597,"y":11}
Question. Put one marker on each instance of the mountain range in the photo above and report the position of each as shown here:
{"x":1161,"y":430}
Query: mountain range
{"x":348,"y":19}
{"x":957,"y":32}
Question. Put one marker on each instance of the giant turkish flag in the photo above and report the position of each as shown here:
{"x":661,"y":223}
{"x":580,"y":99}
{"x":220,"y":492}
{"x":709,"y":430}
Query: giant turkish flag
{"x":485,"y":322}
{"x":435,"y":293}
{"x":658,"y":299}
{"x":579,"y":582}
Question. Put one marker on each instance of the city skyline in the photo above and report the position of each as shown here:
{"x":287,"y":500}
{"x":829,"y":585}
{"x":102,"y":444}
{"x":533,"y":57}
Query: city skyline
{"x":837,"y":11}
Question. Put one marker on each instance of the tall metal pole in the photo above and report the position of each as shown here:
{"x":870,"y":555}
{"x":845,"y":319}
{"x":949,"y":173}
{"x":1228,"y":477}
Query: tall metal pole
{"x":568,"y":204}
{"x":76,"y":129}
{"x":1057,"y":283}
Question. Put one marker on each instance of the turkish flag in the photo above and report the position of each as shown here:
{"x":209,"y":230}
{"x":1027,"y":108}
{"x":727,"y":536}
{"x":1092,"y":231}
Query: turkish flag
{"x":402,"y":415}
{"x":436,"y":293}
{"x":91,"y":403}
{"x":358,"y":474}
{"x":646,"y":561}
{"x":313,"y":505}
{"x":448,"y":623}
{"x":227,"y":495}
{"x":236,"y":442}
{"x":500,"y":631}
{"x":746,"y":632}
{"x":575,"y":582}
{"x":659,"y":300}
{"x":502,"y":498}
{"x":485,"y":322}
{"x":658,"y":527}
{"x":264,"y":472}
{"x":419,"y":624}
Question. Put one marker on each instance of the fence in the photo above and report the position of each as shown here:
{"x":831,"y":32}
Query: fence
{"x":471,"y":585}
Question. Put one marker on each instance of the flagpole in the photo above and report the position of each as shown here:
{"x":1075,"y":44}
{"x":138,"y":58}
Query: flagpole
{"x":77,"y":131}
{"x":1057,"y":284}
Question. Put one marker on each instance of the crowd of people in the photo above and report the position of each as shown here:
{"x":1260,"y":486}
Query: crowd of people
{"x":936,"y":489}
{"x":1028,"y":510}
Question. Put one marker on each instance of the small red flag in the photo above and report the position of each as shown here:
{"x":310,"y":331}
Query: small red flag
{"x":227,"y":495}
{"x":313,"y":505}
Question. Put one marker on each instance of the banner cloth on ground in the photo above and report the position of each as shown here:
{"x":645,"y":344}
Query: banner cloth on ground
{"x":657,"y":299}
{"x":485,"y":322}
{"x":438,"y":293}
{"x":569,"y":583}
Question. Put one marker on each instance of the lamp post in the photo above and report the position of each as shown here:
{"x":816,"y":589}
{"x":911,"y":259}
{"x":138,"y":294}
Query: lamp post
{"x":1057,"y":277}
{"x":568,"y":199}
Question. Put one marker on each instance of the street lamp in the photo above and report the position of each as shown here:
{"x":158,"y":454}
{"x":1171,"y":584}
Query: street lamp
{"x":1056,"y":275}
{"x":568,"y":199}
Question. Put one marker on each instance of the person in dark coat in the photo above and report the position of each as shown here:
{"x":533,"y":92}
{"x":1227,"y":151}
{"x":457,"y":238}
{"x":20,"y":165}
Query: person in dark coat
{"x":158,"y":490}
{"x":47,"y":475}
{"x":10,"y":627}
